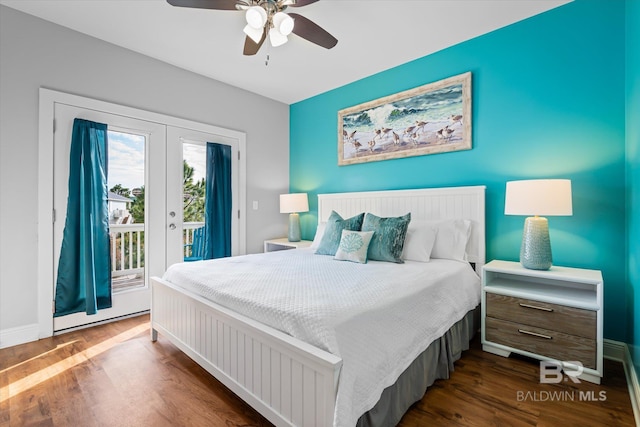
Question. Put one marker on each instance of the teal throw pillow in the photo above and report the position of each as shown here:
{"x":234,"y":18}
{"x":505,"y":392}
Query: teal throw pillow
{"x":354,"y":246}
{"x":333,"y":232}
{"x":388,"y":240}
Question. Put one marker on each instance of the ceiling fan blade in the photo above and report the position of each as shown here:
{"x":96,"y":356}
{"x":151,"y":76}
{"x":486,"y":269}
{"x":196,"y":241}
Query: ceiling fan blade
{"x":300,"y":3}
{"x":251,"y":47}
{"x":205,"y":4}
{"x":311,"y":31}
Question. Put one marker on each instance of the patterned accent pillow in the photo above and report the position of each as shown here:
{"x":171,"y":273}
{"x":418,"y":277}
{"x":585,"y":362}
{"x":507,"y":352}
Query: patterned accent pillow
{"x":388,"y":241}
{"x":333,"y":232}
{"x":354,"y":246}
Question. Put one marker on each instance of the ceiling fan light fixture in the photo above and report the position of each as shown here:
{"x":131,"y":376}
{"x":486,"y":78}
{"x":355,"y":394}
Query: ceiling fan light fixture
{"x":283,"y":23}
{"x":276,"y":38}
{"x":254,"y":33}
{"x":256,"y":17}
{"x":268,"y":16}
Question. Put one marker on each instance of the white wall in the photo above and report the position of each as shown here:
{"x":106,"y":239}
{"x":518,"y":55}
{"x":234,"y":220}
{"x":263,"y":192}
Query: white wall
{"x":35,"y":53}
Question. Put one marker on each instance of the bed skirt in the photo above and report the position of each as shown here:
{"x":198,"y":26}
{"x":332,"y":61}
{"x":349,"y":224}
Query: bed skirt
{"x":436,"y":362}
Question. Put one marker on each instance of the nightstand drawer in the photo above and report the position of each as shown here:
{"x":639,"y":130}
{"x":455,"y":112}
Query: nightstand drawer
{"x":545,"y":342}
{"x":568,"y":320}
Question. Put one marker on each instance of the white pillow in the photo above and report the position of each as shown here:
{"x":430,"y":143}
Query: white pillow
{"x":354,"y":246}
{"x":318,"y":236}
{"x":419,"y":242}
{"x":451,"y":238}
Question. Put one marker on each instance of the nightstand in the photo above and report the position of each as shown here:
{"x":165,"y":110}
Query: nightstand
{"x":283,"y":244}
{"x":553,"y":314}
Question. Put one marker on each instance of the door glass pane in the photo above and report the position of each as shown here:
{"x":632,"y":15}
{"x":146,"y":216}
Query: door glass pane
{"x":193,"y":191}
{"x":126,"y":209}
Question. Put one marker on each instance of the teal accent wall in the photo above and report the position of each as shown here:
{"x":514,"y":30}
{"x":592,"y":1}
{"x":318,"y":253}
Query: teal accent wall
{"x":548,"y":102}
{"x":633,"y":176}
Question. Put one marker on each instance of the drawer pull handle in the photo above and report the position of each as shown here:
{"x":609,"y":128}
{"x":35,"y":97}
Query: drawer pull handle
{"x":535,"y":307}
{"x":547,"y":337}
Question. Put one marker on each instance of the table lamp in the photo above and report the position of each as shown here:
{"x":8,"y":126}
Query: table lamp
{"x":549,"y":197}
{"x":293,"y":204}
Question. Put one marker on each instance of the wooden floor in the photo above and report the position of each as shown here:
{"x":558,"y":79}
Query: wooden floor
{"x":112,"y":375}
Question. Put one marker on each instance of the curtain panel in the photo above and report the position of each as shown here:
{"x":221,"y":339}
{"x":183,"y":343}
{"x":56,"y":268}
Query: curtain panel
{"x":218,"y":202}
{"x":84,"y":269}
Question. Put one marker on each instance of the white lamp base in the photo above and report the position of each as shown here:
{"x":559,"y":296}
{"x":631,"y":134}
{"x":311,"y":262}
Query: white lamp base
{"x":535,"y":252}
{"x":294,"y":227}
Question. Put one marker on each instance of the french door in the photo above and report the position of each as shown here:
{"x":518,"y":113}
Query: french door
{"x":146,"y":222}
{"x":136,"y":163}
{"x":186,"y":175}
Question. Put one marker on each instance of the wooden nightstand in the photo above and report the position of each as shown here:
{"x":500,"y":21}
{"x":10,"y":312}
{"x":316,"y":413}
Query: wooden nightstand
{"x":548,"y":315}
{"x":283,"y":244}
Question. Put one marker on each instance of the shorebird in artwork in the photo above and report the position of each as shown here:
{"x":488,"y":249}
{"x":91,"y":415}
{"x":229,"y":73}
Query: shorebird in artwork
{"x":414,"y":138}
{"x":385,"y":132}
{"x":372,"y":144}
{"x":420,"y":125}
{"x":377,"y":133}
{"x":409,"y":130}
{"x":445,"y":133}
{"x":348,"y":136}
{"x":357,"y":145}
{"x":456,"y":118}
{"x":396,"y":139}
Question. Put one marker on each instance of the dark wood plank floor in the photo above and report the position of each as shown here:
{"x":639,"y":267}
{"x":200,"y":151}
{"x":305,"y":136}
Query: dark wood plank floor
{"x":112,"y":375}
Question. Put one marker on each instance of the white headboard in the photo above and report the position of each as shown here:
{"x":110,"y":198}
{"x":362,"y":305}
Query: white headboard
{"x":424,"y":204}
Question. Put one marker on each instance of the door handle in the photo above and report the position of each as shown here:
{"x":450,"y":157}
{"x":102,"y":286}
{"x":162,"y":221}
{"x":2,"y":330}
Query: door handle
{"x":172,"y":226}
{"x":172,"y":214}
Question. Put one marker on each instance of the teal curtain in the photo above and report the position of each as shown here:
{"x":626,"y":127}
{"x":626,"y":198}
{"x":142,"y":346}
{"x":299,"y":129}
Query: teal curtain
{"x":217,"y":204}
{"x":84,"y":271}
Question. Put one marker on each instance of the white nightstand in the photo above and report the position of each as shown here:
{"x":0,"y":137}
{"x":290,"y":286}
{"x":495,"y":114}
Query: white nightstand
{"x":283,"y":244}
{"x":554,"y":314}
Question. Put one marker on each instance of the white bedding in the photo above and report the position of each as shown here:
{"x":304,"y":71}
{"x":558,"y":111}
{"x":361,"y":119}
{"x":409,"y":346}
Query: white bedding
{"x":378,"y":317}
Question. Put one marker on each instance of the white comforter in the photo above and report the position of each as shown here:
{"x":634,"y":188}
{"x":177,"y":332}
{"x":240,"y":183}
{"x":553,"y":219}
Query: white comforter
{"x":378,"y":317}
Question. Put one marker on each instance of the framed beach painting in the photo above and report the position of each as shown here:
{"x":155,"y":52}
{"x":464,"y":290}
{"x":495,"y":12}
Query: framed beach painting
{"x":433,"y":118}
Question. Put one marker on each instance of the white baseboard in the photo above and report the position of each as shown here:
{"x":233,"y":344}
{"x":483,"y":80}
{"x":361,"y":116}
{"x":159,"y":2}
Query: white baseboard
{"x":619,"y":351}
{"x":19,"y":335}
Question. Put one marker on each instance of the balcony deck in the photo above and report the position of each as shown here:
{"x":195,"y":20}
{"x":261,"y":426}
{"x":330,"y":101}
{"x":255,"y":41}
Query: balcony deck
{"x":123,"y":283}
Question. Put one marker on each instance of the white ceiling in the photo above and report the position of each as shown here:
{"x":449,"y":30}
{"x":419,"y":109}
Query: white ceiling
{"x":373,"y":35}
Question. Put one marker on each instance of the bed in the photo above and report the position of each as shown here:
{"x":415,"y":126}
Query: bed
{"x":295,"y":379}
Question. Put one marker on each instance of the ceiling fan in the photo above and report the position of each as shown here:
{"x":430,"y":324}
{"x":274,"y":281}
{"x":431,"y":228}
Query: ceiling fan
{"x":267,"y":17}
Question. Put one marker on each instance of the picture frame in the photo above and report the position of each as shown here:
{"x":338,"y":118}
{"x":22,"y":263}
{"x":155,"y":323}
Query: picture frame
{"x":429,"y":119}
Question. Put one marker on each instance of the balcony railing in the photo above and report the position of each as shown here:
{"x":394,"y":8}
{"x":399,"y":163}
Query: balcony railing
{"x":127,"y":252}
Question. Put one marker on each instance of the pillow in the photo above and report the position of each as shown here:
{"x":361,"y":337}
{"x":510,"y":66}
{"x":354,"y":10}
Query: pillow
{"x":451,"y":239}
{"x":319,"y":233}
{"x":354,"y":246}
{"x":333,"y":232}
{"x":419,"y":242}
{"x":388,"y":241}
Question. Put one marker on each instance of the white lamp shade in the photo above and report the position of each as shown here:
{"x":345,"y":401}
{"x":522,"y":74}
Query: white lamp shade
{"x":294,"y":202}
{"x":254,"y":33}
{"x":541,"y":197}
{"x":283,"y":23}
{"x":256,"y":17}
{"x":276,"y":38}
